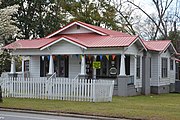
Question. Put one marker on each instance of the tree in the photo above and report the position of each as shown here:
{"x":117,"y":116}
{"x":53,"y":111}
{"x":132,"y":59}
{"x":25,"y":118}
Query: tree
{"x":37,"y":18}
{"x":5,"y":61}
{"x":126,"y":16}
{"x":7,"y":27}
{"x":99,"y":12}
{"x":163,"y":18}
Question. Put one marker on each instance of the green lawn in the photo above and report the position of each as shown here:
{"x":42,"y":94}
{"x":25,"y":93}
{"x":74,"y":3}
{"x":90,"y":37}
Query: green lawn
{"x":155,"y":107}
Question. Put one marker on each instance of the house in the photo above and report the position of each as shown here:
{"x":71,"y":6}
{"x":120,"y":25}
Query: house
{"x":81,"y":50}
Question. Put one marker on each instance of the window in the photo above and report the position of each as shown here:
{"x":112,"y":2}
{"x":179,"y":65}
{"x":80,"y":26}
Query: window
{"x":171,"y":65}
{"x":61,"y":65}
{"x":138,"y":67}
{"x":26,"y":65}
{"x":164,"y":67}
{"x":44,"y":66}
{"x":127,"y":64}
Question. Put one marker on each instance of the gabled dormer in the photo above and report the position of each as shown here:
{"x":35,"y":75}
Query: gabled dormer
{"x":78,"y":27}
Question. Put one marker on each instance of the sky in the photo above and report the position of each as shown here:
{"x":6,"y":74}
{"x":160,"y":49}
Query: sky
{"x":146,"y":5}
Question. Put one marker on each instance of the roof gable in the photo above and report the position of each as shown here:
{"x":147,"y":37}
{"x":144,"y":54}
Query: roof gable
{"x":76,"y":23}
{"x":95,"y":29}
{"x":159,"y":45}
{"x":63,"y":39}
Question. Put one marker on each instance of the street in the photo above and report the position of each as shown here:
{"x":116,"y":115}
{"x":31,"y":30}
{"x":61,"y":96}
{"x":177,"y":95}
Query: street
{"x":4,"y":115}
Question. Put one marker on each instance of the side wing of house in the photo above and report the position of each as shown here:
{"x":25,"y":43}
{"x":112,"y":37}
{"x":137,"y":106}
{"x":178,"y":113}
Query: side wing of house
{"x":162,"y":72}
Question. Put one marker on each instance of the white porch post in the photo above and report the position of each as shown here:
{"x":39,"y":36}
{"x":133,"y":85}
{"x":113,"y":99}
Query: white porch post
{"x":13,"y":66}
{"x":51,"y":65}
{"x":23,"y":67}
{"x":94,"y":70}
{"x":83,"y":66}
{"x":122,"y":66}
{"x":135,"y":69}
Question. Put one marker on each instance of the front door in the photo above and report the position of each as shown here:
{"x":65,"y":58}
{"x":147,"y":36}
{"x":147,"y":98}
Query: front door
{"x":61,"y":65}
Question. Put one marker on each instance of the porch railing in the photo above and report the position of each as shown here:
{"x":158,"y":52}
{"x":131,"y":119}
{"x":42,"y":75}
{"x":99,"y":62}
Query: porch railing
{"x":130,"y":79}
{"x":58,"y":88}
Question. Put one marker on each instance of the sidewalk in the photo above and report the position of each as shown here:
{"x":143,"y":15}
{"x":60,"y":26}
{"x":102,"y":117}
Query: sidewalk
{"x":60,"y":114}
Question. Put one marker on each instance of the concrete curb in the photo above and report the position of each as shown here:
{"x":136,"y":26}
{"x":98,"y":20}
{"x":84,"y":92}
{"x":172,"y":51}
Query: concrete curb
{"x":60,"y":114}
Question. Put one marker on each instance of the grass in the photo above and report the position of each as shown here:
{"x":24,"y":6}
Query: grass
{"x":154,"y":107}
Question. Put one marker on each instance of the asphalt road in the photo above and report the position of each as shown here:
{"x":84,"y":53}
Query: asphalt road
{"x":29,"y":116}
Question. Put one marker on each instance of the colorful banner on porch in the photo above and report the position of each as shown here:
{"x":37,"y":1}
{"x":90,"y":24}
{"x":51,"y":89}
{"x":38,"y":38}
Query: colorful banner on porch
{"x":54,"y":57}
{"x":42,"y":58}
{"x":89,"y":56}
{"x":96,"y":65}
{"x":107,"y":56}
{"x":48,"y":57}
{"x":101,"y":57}
{"x":113,"y":57}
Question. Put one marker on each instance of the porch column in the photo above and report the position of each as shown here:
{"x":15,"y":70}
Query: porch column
{"x":13,"y":66}
{"x":83,"y":66}
{"x":51,"y":65}
{"x":135,"y":69}
{"x":145,"y":73}
{"x":122,"y":66}
{"x":23,"y":67}
{"x":122,"y":79}
{"x":94,"y":69}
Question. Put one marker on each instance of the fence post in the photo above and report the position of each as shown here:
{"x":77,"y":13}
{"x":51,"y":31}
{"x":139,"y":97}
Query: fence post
{"x":111,"y":90}
{"x":94,"y":96}
{"x":1,"y":100}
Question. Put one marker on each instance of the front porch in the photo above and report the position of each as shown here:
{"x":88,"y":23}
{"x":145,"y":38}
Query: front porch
{"x":98,"y":67}
{"x":72,"y":66}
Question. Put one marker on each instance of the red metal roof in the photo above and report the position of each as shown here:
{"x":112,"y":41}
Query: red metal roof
{"x":94,"y":40}
{"x":158,"y":45}
{"x":177,"y":60}
{"x":111,"y":39}
{"x":87,"y":40}
{"x":178,"y":54}
{"x":30,"y":44}
{"x":104,"y":30}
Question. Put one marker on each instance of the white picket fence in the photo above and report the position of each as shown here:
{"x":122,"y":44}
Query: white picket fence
{"x":58,"y":88}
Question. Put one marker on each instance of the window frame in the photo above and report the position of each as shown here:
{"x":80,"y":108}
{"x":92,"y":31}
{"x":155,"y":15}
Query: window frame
{"x":138,"y":66}
{"x":164,"y":67}
{"x":171,"y":64}
{"x":26,"y":65}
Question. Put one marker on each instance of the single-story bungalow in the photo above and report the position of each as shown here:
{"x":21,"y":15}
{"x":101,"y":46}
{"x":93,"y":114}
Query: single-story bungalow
{"x":80,"y":50}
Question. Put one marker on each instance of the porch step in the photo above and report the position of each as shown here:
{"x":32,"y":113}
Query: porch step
{"x":131,"y":90}
{"x":177,"y":86}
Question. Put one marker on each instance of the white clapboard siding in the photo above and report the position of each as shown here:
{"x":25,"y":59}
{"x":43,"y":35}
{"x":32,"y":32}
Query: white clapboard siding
{"x":155,"y":69}
{"x":64,"y":47}
{"x":74,"y":66}
{"x":74,"y":30}
{"x":132,"y":49}
{"x":34,"y":66}
{"x":58,"y":89}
